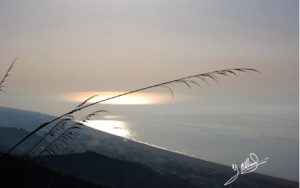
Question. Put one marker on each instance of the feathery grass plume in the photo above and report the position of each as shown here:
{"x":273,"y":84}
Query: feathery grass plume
{"x":85,"y":101}
{"x":7,"y":74}
{"x":201,"y":76}
{"x":61,"y":124}
{"x":62,"y":139}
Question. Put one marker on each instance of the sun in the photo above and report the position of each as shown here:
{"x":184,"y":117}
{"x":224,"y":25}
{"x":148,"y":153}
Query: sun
{"x":142,"y":98}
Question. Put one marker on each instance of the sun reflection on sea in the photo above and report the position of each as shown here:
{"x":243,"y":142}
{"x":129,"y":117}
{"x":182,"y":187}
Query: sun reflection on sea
{"x":115,"y":127}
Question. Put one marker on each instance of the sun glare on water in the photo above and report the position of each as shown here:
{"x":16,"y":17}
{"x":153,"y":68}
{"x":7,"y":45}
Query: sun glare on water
{"x":114,"y":127}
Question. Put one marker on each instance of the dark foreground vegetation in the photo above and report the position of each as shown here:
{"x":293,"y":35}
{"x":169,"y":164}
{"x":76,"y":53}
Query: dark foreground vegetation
{"x":99,"y":171}
{"x":17,"y":172}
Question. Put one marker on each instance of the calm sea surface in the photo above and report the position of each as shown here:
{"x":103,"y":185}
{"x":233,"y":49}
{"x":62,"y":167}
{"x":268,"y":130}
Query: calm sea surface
{"x":220,"y":134}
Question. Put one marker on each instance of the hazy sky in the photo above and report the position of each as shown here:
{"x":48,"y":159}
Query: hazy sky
{"x":70,"y":47}
{"x":97,"y":45}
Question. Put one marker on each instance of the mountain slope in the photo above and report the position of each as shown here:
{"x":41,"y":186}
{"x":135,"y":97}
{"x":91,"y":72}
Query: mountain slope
{"x":104,"y":170}
{"x":9,"y":136}
{"x":24,"y":119}
{"x":16,"y":172}
{"x":197,"y":171}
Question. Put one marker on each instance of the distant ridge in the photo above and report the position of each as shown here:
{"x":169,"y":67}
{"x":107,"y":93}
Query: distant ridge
{"x":27,"y":120}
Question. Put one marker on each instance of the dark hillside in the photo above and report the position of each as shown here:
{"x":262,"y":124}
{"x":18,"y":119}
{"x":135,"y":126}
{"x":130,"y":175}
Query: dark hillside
{"x":104,"y":170}
{"x":16,"y":172}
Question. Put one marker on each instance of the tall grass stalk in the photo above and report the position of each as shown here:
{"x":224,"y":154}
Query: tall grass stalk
{"x":188,"y":81}
{"x":7,"y":74}
{"x":66,"y":135}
